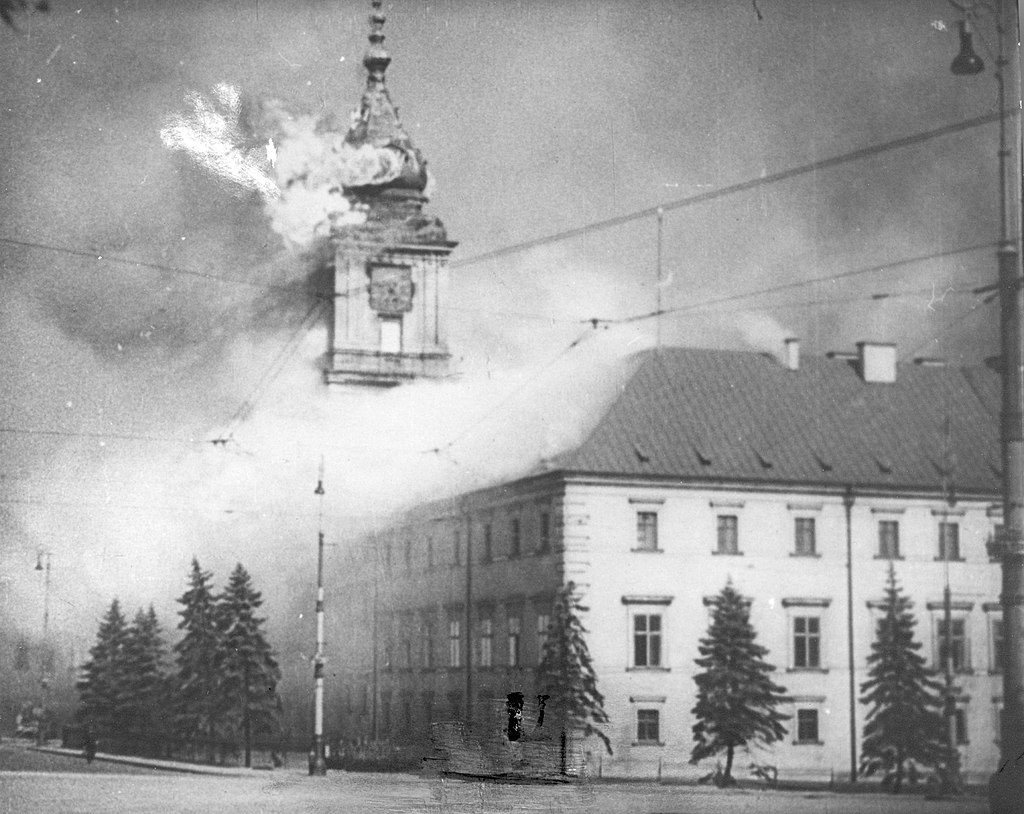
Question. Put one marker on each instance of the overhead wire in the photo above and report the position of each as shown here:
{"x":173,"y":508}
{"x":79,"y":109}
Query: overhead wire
{"x":791,"y":285}
{"x":742,"y":186}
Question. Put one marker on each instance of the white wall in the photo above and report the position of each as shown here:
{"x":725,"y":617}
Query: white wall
{"x":600,"y":531}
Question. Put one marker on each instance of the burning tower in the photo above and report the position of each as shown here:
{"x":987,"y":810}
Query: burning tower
{"x":390,"y":271}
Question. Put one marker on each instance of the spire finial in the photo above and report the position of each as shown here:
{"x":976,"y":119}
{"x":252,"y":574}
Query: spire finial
{"x":376,"y":59}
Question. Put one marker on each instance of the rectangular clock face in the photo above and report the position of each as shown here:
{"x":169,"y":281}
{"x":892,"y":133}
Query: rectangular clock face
{"x":391,"y":289}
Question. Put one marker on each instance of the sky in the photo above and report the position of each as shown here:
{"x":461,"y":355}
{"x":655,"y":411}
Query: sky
{"x":151,"y":306}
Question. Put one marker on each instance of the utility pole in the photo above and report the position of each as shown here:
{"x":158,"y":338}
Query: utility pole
{"x":1006,"y":785}
{"x":44,"y":681}
{"x":317,"y":764}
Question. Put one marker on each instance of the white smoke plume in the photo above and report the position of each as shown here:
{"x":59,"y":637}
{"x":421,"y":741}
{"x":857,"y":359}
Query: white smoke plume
{"x":300,"y":165}
{"x":211,"y":134}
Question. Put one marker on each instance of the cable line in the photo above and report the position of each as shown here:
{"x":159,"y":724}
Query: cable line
{"x":796,"y":284}
{"x":743,"y":186}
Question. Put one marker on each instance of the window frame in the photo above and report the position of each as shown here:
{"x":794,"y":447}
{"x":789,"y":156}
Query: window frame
{"x":884,"y":540}
{"x":515,"y":538}
{"x":652,"y":636}
{"x":727,"y":535}
{"x":543,"y":625}
{"x":653,"y":716}
{"x":804,"y":711}
{"x":964,"y":640}
{"x":996,"y":653}
{"x":799,"y":540}
{"x":647,"y":531}
{"x":807,"y":640}
{"x":514,"y":639}
{"x":454,"y":643}
{"x":486,"y":641}
{"x":544,"y":533}
{"x":942,"y":555}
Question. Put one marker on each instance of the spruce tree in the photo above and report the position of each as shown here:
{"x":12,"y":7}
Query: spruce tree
{"x":904,"y":725}
{"x":141,"y":697}
{"x":566,"y":673}
{"x":197,"y":692}
{"x":101,"y":684}
{"x":736,"y":698}
{"x":249,"y":671}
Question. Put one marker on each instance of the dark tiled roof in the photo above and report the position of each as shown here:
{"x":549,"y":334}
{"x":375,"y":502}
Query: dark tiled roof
{"x":740,"y":416}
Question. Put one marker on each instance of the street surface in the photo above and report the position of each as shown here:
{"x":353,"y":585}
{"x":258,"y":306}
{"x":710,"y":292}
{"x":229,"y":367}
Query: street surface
{"x":47,"y":784}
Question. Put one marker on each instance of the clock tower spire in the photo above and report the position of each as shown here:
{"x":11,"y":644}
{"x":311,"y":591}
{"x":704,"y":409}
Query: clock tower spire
{"x":390,"y":272}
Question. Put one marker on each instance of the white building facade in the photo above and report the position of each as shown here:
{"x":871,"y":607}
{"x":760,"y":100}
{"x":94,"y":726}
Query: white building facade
{"x":799,"y":482}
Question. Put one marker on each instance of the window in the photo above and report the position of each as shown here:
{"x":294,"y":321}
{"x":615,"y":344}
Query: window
{"x":544,"y":537}
{"x":486,"y":642}
{"x":646,"y":531}
{"x":647,"y":726}
{"x":647,"y":640}
{"x":514,"y":632}
{"x":949,"y":541}
{"x":807,"y":726}
{"x":366,"y":699}
{"x":486,"y":554}
{"x":543,"y":623}
{"x":391,"y":335}
{"x":430,"y":553}
{"x":514,"y":542}
{"x":728,"y":534}
{"x":428,"y":644}
{"x":805,"y":540}
{"x":386,"y":657}
{"x":889,"y":539}
{"x":457,"y":549}
{"x":408,"y":555}
{"x":806,"y":642}
{"x":955,"y":644}
{"x":996,"y":633}
{"x":454,"y":643}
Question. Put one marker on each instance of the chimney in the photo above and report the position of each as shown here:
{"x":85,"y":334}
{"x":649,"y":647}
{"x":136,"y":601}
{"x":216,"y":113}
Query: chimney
{"x":877,"y":361}
{"x":792,"y":353}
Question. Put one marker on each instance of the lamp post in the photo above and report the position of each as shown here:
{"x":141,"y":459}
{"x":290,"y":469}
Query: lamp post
{"x":317,"y":764}
{"x":44,"y":680}
{"x":1006,"y":786}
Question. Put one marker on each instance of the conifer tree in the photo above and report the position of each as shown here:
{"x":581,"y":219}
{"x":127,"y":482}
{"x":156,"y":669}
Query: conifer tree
{"x":102,"y":680}
{"x":904,"y":725}
{"x":566,"y":673}
{"x":736,"y":698}
{"x":248,"y":669}
{"x":141,"y":695}
{"x":197,"y":691}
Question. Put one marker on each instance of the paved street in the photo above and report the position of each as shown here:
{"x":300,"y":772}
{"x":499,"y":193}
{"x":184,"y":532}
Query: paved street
{"x":30,"y":782}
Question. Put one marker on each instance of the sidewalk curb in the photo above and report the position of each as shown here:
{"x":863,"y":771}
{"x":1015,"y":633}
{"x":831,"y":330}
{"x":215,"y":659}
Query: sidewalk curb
{"x":150,"y":763}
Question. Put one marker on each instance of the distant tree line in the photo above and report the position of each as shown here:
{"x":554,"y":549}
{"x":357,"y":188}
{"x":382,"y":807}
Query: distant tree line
{"x":214,"y":692}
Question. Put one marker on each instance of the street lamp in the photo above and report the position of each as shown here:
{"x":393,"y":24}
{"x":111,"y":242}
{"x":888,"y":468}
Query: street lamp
{"x":44,"y":681}
{"x":317,"y":764}
{"x":1006,"y":786}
